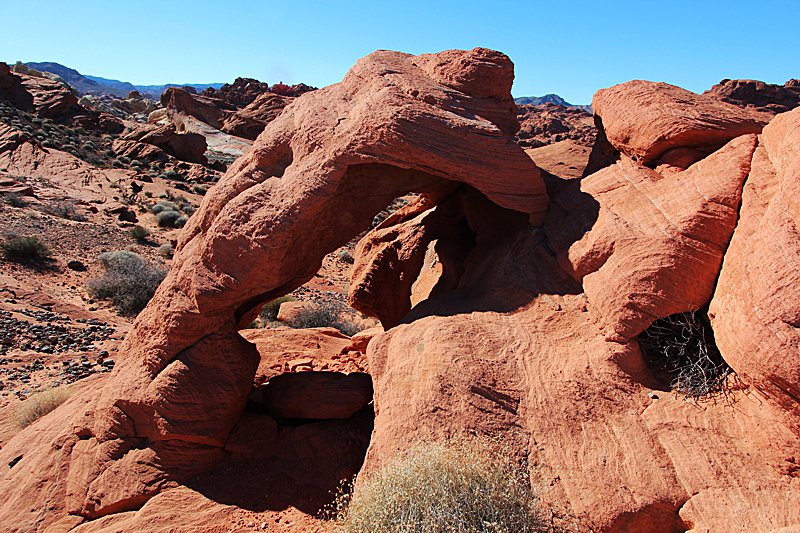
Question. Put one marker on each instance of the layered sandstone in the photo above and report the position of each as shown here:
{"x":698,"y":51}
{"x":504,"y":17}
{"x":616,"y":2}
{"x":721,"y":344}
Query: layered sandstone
{"x":506,"y":314}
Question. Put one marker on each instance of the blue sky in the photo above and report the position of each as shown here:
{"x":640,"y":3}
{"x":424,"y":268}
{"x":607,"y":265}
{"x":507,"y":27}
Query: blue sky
{"x":571,"y":48}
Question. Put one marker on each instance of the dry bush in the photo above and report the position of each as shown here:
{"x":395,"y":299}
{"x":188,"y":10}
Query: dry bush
{"x":38,"y":405}
{"x":25,"y":249}
{"x":329,"y":312}
{"x":683,"y":346}
{"x":435,"y":487}
{"x":129,"y":281}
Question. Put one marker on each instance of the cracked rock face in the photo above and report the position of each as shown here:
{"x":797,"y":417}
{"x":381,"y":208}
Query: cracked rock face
{"x":505,"y":313}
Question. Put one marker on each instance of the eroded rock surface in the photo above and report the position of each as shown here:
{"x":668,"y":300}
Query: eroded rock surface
{"x":315,"y":178}
{"x":506,"y":315}
{"x":643,"y":120}
{"x":756,"y":307}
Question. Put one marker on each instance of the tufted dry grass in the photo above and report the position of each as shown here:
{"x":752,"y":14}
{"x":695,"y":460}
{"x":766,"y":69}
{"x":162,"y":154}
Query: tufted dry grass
{"x":39,"y":404}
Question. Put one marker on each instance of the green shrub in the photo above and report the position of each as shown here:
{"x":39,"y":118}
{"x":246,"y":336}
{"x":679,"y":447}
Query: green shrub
{"x":435,"y":487}
{"x":129,"y":281}
{"x":162,"y":206}
{"x":125,"y":160}
{"x":138,"y":233}
{"x":169,"y":219}
{"x":109,"y":152}
{"x":200,"y":189}
{"x":25,"y":248}
{"x":38,"y":405}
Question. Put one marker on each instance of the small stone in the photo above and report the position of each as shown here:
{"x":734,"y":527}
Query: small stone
{"x":76,"y":265}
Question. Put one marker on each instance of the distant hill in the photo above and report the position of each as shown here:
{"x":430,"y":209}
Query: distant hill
{"x":96,"y":85}
{"x":80,"y":82}
{"x":549,"y":99}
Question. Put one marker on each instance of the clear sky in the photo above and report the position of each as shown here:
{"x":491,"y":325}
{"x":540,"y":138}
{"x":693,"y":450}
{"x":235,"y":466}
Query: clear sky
{"x":571,"y":48}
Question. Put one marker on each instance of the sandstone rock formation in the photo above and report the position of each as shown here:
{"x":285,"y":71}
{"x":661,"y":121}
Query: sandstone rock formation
{"x":507,"y":313}
{"x":545,"y":124}
{"x":250,"y":121}
{"x":180,"y":101}
{"x":46,"y":97}
{"x":237,"y":95}
{"x":644,"y":120}
{"x":756,"y":307}
{"x":153,"y":142}
{"x":757,"y":94}
{"x":446,"y":117}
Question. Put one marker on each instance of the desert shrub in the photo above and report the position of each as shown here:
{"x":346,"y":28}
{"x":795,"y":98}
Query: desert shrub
{"x":328,"y":312}
{"x":63,"y":209}
{"x":89,"y":145}
{"x":38,"y":405}
{"x":49,"y":143}
{"x":25,"y":249}
{"x":181,"y":222}
{"x":138,"y":233}
{"x":173,"y":174}
{"x":125,"y":160}
{"x":109,"y":152}
{"x":15,"y":200}
{"x":683,"y":346}
{"x":117,"y":163}
{"x":149,"y":194}
{"x":162,"y":206}
{"x":443,"y":487}
{"x":106,"y":259}
{"x":129,"y":281}
{"x":166,"y":250}
{"x":168,"y":219}
{"x":200,"y":189}
{"x":345,"y":256}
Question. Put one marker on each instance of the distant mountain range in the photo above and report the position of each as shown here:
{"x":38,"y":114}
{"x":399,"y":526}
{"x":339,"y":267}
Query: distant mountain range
{"x":549,"y":99}
{"x":96,"y":85}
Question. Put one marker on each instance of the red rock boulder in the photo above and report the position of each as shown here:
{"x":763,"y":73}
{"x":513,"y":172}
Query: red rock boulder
{"x":756,"y":306}
{"x":643,"y":120}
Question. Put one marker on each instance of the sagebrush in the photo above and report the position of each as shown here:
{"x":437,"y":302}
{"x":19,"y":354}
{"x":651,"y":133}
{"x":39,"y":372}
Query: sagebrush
{"x":329,"y":312}
{"x":442,"y":487}
{"x":130,"y":281}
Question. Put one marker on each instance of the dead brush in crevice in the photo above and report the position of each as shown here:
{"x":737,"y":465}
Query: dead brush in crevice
{"x":683,"y":346}
{"x":442,"y":487}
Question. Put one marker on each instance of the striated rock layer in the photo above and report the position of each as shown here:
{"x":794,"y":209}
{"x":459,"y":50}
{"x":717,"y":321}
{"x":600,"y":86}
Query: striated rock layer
{"x":315,"y":178}
{"x":507,"y":314}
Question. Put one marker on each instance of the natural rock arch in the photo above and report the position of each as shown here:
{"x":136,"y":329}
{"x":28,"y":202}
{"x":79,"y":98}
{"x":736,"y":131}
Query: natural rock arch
{"x":314,"y":179}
